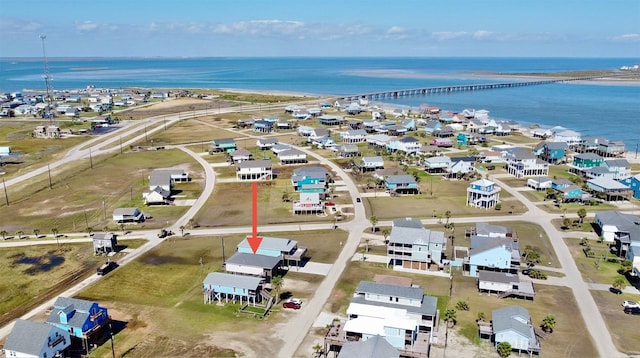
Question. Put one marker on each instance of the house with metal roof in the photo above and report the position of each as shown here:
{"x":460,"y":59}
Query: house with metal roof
{"x":609,"y":189}
{"x":539,"y":183}
{"x":403,"y":315}
{"x":354,"y":136}
{"x":263,"y":266}
{"x":225,"y":287}
{"x":492,"y":254}
{"x":483,"y":194}
{"x":266,"y":143}
{"x":513,"y":324}
{"x":81,"y":318}
{"x":104,"y":242}
{"x":522,"y":163}
{"x":125,"y":215}
{"x":292,"y":156}
{"x":374,"y":347}
{"x":226,"y":145}
{"x":412,"y":246}
{"x":36,"y":339}
{"x":505,"y":284}
{"x":254,"y":170}
{"x":310,"y":179}
{"x":240,"y":155}
{"x":286,"y":249}
{"x":371,"y":163}
{"x":401,"y":184}
{"x":623,"y":230}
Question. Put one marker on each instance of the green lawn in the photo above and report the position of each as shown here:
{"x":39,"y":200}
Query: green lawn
{"x":620,"y":325}
{"x":596,"y":270}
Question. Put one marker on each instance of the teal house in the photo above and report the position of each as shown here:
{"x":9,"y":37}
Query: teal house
{"x":286,"y":249}
{"x":309,"y":179}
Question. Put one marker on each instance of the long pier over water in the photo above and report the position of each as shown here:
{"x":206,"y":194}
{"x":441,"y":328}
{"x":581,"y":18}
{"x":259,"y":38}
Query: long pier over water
{"x":459,"y":88}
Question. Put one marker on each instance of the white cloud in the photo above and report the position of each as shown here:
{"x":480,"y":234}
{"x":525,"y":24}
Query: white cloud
{"x":483,"y":34}
{"x":86,"y":26}
{"x":8,"y":25}
{"x":449,"y":35}
{"x":627,"y":38}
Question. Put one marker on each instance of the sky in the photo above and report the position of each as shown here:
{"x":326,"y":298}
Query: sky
{"x":327,"y":28}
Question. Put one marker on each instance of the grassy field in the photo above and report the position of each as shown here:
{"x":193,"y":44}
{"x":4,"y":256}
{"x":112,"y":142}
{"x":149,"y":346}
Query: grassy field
{"x":34,"y":152}
{"x":566,"y":340}
{"x":38,"y":273}
{"x":621,"y":326}
{"x":231,"y":202}
{"x":160,"y":295}
{"x":597,"y":269}
{"x":75,"y":200}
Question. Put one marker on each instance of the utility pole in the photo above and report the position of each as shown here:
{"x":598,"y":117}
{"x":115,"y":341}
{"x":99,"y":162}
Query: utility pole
{"x":6,"y":196}
{"x":47,"y":79}
{"x":120,"y":144}
{"x":49,"y":170}
{"x":223,"y":259}
{"x":90,"y":159}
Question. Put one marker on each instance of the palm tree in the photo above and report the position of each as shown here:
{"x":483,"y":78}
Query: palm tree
{"x":625,"y":266}
{"x":548,"y":323}
{"x":504,"y":349}
{"x":285,"y":196}
{"x":54,"y":231}
{"x":276,"y":285}
{"x":582,"y":213}
{"x":450,"y":317}
{"x":385,"y":234}
{"x":481,"y":316}
{"x":36,"y":233}
{"x":4,"y":234}
{"x":19,"y":234}
{"x":447,"y":214}
{"x":182,"y":230}
{"x":374,"y":220}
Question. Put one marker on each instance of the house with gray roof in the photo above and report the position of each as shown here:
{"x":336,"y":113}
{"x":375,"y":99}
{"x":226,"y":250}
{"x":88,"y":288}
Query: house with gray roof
{"x":371,"y":163}
{"x":513,"y":324}
{"x":266,"y":143}
{"x":401,"y":184}
{"x":254,"y":170}
{"x":609,"y":189}
{"x":505,"y":284}
{"x":222,"y":145}
{"x":619,"y":228}
{"x":374,"y":347}
{"x":492,"y":254}
{"x":523,"y":163}
{"x":285,"y":249}
{"x":240,"y":155}
{"x":36,"y":339}
{"x":125,"y":215}
{"x":412,"y":246}
{"x":492,"y":230}
{"x":225,"y":287}
{"x":104,"y":242}
{"x":401,"y":314}
{"x":81,"y":318}
{"x":263,"y":266}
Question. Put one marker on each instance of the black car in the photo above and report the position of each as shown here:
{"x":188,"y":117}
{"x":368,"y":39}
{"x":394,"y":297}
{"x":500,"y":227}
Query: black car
{"x":632,"y":310}
{"x":106,"y":268}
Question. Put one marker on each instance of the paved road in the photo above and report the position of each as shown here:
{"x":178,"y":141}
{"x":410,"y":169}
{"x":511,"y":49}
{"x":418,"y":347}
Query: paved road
{"x":299,"y":325}
{"x":586,"y":304}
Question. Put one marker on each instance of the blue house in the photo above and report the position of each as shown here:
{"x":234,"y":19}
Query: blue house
{"x":401,"y":184}
{"x":262,"y":126}
{"x":513,"y":324}
{"x":492,"y":254}
{"x":634,"y":184}
{"x":571,"y":193}
{"x":78,"y":317}
{"x":225,"y":287}
{"x":286,"y":249}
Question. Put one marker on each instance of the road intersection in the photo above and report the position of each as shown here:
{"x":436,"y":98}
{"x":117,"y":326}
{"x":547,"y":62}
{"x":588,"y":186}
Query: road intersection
{"x":301,"y":323}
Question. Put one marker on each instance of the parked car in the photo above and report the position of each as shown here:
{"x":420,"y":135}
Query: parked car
{"x":295,"y":300}
{"x":632,"y":310}
{"x":292,"y":305}
{"x":630,"y":304}
{"x":615,"y":290}
{"x":358,"y":200}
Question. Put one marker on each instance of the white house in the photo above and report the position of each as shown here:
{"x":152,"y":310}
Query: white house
{"x":372,"y":163}
{"x":292,"y":156}
{"x":354,"y":136}
{"x":254,"y":170}
{"x":572,"y":138}
{"x":513,"y":324}
{"x":522,"y":163}
{"x":483,"y":194}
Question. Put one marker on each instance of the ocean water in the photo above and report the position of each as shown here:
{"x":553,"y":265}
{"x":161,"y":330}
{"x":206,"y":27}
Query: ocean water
{"x":612,"y":111}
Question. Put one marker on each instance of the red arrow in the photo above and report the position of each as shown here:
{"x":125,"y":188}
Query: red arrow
{"x":254,"y":241}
